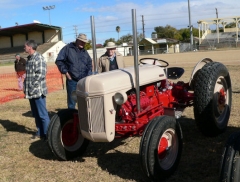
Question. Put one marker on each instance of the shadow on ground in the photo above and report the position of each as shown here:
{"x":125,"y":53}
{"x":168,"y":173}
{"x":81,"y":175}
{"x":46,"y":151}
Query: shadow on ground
{"x":51,"y":113}
{"x":201,"y":156}
{"x":15,"y":127}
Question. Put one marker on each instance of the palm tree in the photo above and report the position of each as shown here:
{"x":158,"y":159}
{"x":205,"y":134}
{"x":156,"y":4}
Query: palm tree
{"x":118,"y":30}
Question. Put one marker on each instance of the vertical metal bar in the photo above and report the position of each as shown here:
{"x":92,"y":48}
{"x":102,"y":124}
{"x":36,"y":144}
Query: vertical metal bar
{"x":94,"y":45}
{"x":190,"y":26}
{"x":135,"y":54}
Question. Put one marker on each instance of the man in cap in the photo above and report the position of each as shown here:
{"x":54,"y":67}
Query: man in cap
{"x":111,"y":60}
{"x":74,"y":61}
{"x":19,"y":65}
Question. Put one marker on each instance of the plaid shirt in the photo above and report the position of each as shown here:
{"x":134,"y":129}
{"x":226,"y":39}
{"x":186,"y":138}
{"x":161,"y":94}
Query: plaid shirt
{"x":35,"y":81}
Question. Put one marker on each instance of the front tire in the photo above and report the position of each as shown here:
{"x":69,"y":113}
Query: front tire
{"x":212,"y":98}
{"x":161,"y":148}
{"x":230,"y":164}
{"x":64,"y":138}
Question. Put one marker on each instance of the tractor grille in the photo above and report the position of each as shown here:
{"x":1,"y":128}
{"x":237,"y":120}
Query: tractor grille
{"x":91,"y":114}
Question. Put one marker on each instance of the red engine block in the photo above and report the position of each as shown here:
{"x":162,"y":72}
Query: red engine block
{"x":153,"y":100}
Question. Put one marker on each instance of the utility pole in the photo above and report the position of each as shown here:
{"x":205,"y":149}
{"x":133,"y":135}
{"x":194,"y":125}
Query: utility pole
{"x":216,"y":12}
{"x":143,"y":26}
{"x":190,"y":27}
{"x":217,"y":24}
{"x":75,"y":29}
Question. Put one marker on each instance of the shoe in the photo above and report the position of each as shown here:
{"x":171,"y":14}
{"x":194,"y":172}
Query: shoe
{"x":34,"y":137}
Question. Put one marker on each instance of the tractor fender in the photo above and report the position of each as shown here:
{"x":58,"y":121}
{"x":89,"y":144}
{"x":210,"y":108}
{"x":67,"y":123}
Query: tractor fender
{"x":198,"y":66}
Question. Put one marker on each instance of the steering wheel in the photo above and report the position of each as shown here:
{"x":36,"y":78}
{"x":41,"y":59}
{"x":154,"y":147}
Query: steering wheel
{"x":154,"y":61}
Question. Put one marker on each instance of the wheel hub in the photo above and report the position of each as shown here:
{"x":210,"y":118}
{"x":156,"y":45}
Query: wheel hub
{"x":69,"y":136}
{"x":163,"y":148}
{"x":221,"y":100}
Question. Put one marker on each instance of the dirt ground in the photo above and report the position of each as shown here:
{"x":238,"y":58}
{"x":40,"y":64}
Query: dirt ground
{"x":22,"y":159}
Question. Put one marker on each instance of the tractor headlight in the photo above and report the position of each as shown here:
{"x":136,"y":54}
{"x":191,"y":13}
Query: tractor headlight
{"x":74,"y":96}
{"x":120,"y":98}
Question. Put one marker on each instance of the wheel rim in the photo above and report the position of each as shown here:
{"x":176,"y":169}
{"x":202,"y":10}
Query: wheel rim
{"x":221,"y":99}
{"x":71,"y":139}
{"x":168,"y":149}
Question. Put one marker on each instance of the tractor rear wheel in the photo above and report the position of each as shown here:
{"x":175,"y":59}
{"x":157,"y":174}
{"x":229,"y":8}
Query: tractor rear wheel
{"x":230,"y":164}
{"x":49,"y":133}
{"x":212,"y":98}
{"x":64,"y":137}
{"x":161,"y":147}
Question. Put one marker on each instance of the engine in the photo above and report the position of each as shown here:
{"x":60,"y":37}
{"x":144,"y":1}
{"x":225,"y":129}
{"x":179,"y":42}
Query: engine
{"x":155,"y":99}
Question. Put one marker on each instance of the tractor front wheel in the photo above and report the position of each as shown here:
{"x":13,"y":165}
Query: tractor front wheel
{"x":64,"y":137}
{"x":161,"y":147}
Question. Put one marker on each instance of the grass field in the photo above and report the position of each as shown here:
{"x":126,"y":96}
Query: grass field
{"x":22,"y":159}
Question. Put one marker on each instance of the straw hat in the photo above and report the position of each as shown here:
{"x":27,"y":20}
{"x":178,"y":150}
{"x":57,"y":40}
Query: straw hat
{"x":82,"y":37}
{"x":110,"y":45}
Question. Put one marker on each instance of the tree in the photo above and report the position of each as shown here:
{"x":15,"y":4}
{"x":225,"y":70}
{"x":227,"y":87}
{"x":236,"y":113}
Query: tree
{"x":231,"y":25}
{"x":118,"y":30}
{"x":139,"y":36}
{"x":108,"y":40}
{"x":185,"y":33}
{"x":167,"y":32}
{"x":88,"y":45}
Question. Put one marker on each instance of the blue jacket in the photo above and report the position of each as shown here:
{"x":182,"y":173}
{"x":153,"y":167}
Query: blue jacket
{"x":76,"y":62}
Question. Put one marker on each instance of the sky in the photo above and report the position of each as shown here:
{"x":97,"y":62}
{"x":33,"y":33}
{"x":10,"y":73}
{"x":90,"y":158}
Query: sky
{"x":74,"y":16}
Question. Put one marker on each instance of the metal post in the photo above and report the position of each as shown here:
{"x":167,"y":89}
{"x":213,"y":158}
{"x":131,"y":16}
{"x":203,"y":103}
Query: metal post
{"x":237,"y":21}
{"x":217,"y":25}
{"x":190,"y":27}
{"x":135,"y":51}
{"x":94,"y":44}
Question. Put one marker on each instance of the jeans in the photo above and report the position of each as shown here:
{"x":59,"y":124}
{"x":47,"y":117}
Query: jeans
{"x":39,"y":111}
{"x":71,"y":86}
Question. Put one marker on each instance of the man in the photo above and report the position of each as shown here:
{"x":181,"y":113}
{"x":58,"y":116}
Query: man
{"x":111,"y":60}
{"x":19,"y":65}
{"x":74,"y":61}
{"x":35,"y":88}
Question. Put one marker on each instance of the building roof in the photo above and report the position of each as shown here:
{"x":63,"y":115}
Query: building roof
{"x":24,"y":29}
{"x":160,"y":41}
{"x":151,"y":40}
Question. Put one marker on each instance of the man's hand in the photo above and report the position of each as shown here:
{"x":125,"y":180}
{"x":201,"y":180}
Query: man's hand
{"x":68,"y":76}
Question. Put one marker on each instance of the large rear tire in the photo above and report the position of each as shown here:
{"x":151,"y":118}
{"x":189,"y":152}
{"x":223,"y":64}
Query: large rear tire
{"x":49,"y":133}
{"x":161,"y":148}
{"x":64,"y":142}
{"x":212,"y":98}
{"x":230,"y":164}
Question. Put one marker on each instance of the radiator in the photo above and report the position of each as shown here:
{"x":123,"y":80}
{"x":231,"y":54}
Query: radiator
{"x":91,"y":114}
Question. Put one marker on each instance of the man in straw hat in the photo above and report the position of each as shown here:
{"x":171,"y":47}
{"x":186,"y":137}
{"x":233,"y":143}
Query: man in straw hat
{"x":74,"y":61}
{"x":111,"y":60}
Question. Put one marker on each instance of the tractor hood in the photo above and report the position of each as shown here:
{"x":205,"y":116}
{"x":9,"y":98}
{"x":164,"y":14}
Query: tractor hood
{"x":117,"y":80}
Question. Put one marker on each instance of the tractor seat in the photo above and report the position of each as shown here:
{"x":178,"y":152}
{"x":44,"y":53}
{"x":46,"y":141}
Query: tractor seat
{"x":174,"y":72}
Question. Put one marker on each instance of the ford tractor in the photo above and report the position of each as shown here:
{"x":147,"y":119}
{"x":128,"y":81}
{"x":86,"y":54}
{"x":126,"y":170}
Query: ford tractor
{"x":113,"y":105}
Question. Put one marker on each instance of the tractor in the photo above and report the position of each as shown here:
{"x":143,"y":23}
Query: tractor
{"x":113,"y":105}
